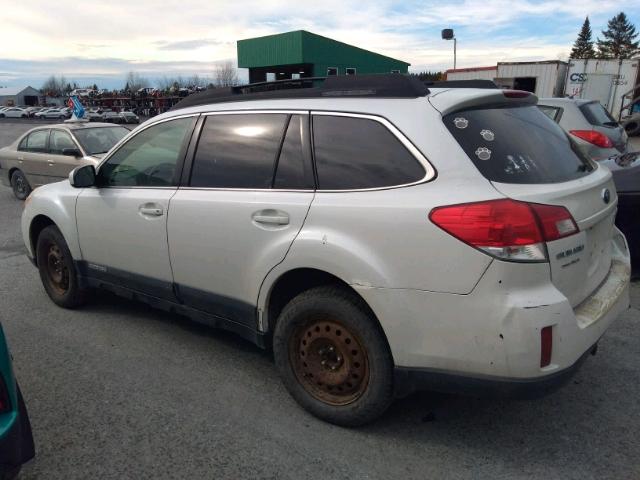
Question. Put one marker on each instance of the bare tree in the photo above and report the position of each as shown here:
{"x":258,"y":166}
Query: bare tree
{"x":225,"y":75}
{"x":135,"y":82}
{"x":54,"y":86}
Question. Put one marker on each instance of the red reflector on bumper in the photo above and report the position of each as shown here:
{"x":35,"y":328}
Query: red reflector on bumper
{"x":546,"y":345}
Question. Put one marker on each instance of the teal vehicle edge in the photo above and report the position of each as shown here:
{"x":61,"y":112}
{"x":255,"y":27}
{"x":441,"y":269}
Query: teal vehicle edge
{"x":16,"y":440}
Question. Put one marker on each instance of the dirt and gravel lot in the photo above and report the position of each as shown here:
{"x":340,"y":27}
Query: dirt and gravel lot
{"x":116,"y":390}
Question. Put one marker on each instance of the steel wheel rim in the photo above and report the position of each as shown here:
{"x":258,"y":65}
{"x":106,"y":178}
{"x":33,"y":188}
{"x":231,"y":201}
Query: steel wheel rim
{"x":329,"y":361}
{"x":20,"y":186}
{"x":57,"y":271}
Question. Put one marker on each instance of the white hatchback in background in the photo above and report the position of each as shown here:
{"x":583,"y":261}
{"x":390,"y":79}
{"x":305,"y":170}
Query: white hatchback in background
{"x":380,"y":237}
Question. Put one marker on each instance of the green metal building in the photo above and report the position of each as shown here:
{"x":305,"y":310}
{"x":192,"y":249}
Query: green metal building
{"x":302,"y":54}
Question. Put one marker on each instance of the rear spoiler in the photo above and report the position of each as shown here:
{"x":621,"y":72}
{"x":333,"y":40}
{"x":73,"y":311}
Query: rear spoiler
{"x":451,"y":101}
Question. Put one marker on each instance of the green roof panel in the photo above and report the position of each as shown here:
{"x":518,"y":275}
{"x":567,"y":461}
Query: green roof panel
{"x":305,"y":47}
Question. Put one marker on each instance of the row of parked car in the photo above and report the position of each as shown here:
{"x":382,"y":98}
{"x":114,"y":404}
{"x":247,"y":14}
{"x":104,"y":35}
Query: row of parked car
{"x":62,"y":113}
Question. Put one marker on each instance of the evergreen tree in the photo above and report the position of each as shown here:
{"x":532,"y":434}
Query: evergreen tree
{"x":583,"y":47}
{"x":618,"y":39}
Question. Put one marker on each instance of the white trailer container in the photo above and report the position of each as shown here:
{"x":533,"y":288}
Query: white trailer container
{"x":604,"y":80}
{"x":545,"y":79}
{"x":474,"y":73}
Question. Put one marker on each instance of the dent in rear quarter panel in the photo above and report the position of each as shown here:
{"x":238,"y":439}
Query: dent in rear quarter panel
{"x":56,"y":201}
{"x":384,"y":238}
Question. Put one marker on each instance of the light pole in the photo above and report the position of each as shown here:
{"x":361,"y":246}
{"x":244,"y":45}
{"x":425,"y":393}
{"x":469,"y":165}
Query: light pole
{"x":447,"y":34}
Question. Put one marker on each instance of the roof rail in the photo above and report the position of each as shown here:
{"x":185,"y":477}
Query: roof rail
{"x":462,"y":84}
{"x":376,"y":86}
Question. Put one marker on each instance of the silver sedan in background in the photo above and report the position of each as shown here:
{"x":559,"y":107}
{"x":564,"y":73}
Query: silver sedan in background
{"x":48,"y":153}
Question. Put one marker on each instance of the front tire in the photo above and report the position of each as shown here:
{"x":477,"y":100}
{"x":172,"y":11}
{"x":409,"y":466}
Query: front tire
{"x":20,"y":185}
{"x":57,"y":271}
{"x":333,"y":357}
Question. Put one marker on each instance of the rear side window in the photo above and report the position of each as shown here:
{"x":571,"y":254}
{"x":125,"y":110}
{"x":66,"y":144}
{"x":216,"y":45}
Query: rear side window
{"x":238,"y":151}
{"x":35,"y":142}
{"x":597,"y":115}
{"x":517,"y":145}
{"x":355,"y":153}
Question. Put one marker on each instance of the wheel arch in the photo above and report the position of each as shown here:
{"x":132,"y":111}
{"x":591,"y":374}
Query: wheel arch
{"x":38,"y":223}
{"x":295,"y":281}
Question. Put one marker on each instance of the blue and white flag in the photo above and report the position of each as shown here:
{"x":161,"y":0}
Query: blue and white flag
{"x":78,"y":109}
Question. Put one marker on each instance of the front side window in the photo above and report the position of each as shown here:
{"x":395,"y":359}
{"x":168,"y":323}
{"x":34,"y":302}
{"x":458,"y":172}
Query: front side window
{"x":332,"y":71}
{"x":59,"y":141}
{"x":356,"y":153}
{"x":150,"y":158}
{"x":35,"y":142}
{"x":238,"y":151}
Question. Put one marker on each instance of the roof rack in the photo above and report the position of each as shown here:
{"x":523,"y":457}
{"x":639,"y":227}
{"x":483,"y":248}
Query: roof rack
{"x":462,"y":84}
{"x":376,"y":86}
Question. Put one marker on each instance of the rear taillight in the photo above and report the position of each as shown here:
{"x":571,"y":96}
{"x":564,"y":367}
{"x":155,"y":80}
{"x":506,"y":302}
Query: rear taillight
{"x":5,"y":405}
{"x":506,"y":229}
{"x":546,"y":345}
{"x":595,"y":138}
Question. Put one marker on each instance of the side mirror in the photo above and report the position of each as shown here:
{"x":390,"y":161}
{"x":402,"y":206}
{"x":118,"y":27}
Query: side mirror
{"x":71,"y":152}
{"x":83,"y":177}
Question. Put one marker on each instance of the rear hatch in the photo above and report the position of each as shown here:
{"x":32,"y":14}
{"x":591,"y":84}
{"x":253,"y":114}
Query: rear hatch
{"x":528,"y":157}
{"x":604,"y":123}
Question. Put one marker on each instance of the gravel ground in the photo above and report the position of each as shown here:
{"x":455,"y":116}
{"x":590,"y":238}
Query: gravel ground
{"x":116,"y":390}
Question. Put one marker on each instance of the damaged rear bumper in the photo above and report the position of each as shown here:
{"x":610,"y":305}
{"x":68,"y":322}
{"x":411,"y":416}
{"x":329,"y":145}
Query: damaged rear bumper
{"x":408,"y":380}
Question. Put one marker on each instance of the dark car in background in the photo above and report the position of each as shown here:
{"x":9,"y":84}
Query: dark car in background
{"x":129,"y":117}
{"x":16,"y":439}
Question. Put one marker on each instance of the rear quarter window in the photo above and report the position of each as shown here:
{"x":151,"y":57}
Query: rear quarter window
{"x":517,"y":145}
{"x":357,"y":153}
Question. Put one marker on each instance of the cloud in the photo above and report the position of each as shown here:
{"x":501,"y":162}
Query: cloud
{"x":122,"y":35}
{"x":188,"y":44}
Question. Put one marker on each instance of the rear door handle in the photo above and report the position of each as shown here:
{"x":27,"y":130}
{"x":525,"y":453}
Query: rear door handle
{"x":271,"y":217}
{"x":151,"y":210}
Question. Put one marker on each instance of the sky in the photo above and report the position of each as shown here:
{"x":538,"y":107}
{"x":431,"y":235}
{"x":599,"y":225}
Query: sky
{"x":100,"y":41}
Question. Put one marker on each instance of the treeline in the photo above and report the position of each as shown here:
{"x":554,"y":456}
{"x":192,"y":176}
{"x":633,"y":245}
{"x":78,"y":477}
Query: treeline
{"x":618,"y":40}
{"x":224,"y":75}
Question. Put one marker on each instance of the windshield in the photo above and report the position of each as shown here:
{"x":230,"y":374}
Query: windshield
{"x":517,"y":145}
{"x":597,"y":115}
{"x":100,"y":139}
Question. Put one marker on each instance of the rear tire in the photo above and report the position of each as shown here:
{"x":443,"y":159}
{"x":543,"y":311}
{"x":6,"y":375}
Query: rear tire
{"x":57,"y":270}
{"x":333,"y":358}
{"x":20,"y":185}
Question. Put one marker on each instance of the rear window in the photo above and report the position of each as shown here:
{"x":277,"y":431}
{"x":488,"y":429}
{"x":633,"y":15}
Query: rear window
{"x":517,"y":145}
{"x":597,"y":115}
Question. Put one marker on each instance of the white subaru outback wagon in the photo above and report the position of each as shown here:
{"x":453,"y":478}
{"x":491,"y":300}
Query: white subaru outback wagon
{"x":378,"y":234}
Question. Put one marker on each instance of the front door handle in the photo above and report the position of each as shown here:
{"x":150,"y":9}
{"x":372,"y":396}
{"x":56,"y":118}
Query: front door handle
{"x":151,"y":210}
{"x":271,"y":217}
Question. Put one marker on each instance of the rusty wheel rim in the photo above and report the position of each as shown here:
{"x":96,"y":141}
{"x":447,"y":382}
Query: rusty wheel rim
{"x":329,"y":361}
{"x":57,"y":271}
